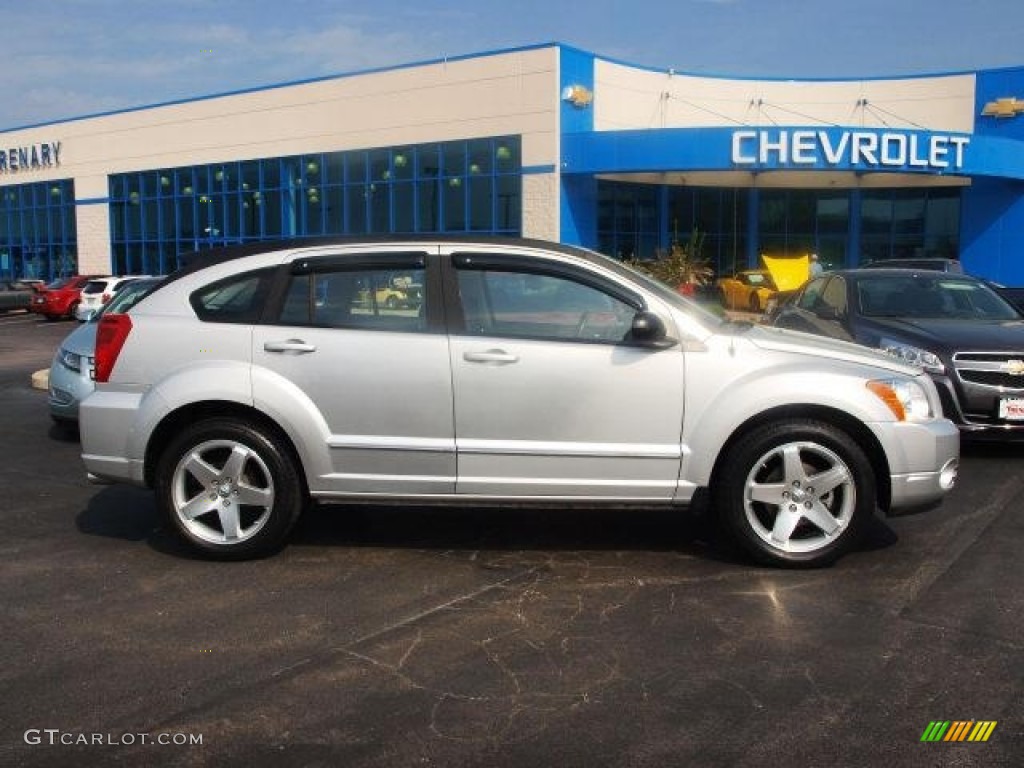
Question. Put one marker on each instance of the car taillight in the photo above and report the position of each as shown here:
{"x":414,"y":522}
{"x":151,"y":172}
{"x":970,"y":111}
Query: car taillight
{"x":105,"y":299}
{"x":111,"y":334}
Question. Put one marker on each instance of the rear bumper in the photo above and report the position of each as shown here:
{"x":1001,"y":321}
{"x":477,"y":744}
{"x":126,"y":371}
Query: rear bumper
{"x":107,"y":425}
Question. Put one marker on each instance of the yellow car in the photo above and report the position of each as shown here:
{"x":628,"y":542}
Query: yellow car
{"x":751,"y":289}
{"x":748,"y":290}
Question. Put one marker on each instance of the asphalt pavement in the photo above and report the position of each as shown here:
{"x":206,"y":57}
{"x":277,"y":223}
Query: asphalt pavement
{"x":460,"y":637}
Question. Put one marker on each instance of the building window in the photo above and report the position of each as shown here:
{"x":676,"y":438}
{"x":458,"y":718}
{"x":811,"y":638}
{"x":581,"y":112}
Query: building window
{"x":909,"y":223}
{"x":632,"y":221}
{"x":447,"y":187}
{"x":628,"y":224}
{"x":38,"y":237}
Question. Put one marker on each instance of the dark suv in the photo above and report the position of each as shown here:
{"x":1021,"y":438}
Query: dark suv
{"x":955,"y":327}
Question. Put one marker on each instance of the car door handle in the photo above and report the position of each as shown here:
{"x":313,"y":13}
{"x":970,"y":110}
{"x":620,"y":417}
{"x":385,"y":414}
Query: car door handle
{"x":289,"y":346}
{"x":494,"y":356}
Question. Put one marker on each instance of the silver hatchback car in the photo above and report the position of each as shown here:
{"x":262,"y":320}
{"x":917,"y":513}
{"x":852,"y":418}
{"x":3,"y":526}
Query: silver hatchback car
{"x":259,"y":378}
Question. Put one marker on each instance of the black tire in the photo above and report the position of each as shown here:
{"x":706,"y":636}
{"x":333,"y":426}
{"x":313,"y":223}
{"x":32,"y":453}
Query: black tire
{"x":261,"y":505}
{"x":755,"y":303}
{"x":391,"y":302}
{"x":723,"y":298}
{"x":764,"y":493}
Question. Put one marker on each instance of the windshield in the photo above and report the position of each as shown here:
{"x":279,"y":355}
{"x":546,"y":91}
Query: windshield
{"x":59,"y":283}
{"x":923,"y":296}
{"x":130,"y":295}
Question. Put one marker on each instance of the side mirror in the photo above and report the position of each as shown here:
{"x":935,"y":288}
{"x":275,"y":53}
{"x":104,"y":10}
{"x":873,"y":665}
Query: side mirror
{"x":648,"y":330}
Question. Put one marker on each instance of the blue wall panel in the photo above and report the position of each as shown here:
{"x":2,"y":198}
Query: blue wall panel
{"x":992,"y":230}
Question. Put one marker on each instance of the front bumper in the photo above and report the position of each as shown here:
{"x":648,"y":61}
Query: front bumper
{"x":923,"y":462}
{"x":67,"y":389}
{"x":975,"y":410}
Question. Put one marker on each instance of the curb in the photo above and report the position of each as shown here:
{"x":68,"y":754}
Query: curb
{"x":41,"y":379}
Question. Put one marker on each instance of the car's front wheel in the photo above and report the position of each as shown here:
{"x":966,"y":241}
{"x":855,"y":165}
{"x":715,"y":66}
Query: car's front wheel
{"x":795,"y":493}
{"x":228,"y":489}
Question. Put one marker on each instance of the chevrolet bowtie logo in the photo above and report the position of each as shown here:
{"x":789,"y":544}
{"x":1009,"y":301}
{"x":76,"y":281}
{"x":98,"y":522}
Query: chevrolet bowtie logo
{"x":1008,"y":107}
{"x":580,"y":96}
{"x":1014,"y":367}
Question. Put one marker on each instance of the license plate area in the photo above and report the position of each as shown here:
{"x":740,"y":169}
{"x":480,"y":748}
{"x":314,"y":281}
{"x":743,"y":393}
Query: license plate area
{"x":1011,"y":408}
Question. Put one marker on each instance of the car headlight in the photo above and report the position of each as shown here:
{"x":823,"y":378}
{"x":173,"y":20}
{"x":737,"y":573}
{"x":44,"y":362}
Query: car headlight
{"x":905,"y":398}
{"x":70,"y":360}
{"x":915,"y":356}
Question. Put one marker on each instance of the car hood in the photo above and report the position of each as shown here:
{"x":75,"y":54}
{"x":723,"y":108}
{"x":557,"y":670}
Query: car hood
{"x":955,"y":334}
{"x":788,"y":273}
{"x":795,"y":342}
{"x":82,"y":340}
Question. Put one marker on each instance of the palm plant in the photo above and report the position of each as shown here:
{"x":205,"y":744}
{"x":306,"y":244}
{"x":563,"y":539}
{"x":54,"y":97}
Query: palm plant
{"x":680,"y":266}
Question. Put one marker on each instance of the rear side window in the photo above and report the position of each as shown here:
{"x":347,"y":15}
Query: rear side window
{"x":379,"y":299}
{"x":236,"y":299}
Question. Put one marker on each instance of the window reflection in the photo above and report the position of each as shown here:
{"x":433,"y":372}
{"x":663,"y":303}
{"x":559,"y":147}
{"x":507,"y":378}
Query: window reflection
{"x":37,"y":230}
{"x":453,"y":186}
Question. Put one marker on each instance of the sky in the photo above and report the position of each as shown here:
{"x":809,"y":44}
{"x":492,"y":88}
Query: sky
{"x":69,"y":58}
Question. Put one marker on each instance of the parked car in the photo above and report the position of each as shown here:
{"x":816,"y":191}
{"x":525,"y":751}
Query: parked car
{"x":15,"y":295}
{"x":954,"y":327}
{"x":747,"y":290}
{"x":755,"y":290}
{"x":72,"y":372}
{"x":60,"y":298}
{"x":98,"y":292}
{"x":255,"y":380}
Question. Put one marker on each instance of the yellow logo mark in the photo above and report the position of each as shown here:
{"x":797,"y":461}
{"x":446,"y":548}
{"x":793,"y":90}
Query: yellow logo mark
{"x":1002,"y":108}
{"x":1014,"y":367}
{"x":578,"y":95}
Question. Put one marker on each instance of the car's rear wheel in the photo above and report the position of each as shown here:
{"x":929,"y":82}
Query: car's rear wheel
{"x":754,"y":303}
{"x":795,"y":493}
{"x":228,"y":489}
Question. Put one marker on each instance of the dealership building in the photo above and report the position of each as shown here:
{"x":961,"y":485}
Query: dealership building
{"x":545,"y":141}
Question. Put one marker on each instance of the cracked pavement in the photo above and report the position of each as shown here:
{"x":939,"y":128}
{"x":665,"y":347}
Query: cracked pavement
{"x":458,"y":637}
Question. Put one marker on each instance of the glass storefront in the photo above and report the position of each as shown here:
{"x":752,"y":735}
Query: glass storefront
{"x":37,"y":230}
{"x":472,"y":186}
{"x":638,"y":219}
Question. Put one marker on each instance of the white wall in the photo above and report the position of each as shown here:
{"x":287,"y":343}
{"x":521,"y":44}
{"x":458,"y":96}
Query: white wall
{"x":630,"y":98}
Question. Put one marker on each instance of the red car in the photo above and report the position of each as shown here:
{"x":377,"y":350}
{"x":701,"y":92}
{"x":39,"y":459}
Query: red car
{"x":60,"y":297}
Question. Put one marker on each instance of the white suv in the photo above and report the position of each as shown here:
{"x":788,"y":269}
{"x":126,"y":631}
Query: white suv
{"x":98,"y":292}
{"x":526,"y":372}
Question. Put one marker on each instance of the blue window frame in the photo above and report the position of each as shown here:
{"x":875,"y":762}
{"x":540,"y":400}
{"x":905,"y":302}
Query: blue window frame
{"x":38,"y":236}
{"x":472,"y":185}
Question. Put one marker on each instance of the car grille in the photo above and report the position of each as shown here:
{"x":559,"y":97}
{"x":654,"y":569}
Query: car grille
{"x":1003,"y":370}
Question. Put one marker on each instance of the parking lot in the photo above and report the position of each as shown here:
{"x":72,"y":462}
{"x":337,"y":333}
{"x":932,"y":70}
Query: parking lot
{"x":440,"y":636}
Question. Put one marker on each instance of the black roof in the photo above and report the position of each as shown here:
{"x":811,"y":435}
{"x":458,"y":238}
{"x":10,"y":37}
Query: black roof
{"x":198,"y":260}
